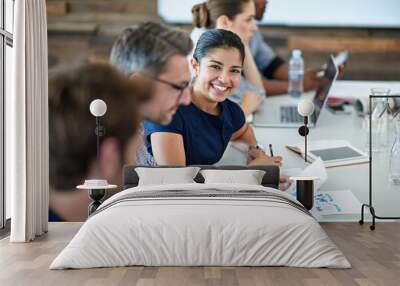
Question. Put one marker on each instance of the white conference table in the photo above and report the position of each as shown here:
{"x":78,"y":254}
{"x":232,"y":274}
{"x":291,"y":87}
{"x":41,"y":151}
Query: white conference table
{"x":349,"y":127}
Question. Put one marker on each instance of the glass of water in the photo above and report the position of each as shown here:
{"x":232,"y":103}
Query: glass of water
{"x":380,"y":119}
{"x":394,"y":167}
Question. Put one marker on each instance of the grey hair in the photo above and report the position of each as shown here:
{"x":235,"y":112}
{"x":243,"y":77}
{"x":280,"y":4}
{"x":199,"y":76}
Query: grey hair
{"x":148,"y":47}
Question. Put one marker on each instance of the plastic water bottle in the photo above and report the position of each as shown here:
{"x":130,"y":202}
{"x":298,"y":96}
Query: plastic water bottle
{"x":296,"y":74}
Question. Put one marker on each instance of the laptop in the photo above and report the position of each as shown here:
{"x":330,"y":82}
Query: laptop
{"x":286,"y":115}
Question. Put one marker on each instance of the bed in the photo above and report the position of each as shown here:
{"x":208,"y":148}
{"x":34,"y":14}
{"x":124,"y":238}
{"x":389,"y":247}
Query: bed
{"x":201,"y":224}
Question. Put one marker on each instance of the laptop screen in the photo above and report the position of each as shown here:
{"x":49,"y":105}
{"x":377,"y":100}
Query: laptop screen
{"x":323,"y":89}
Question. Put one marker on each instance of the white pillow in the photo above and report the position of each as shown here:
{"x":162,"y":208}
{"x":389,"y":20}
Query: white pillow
{"x":165,"y":176}
{"x":248,"y":177}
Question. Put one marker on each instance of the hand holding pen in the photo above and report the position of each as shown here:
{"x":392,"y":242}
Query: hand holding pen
{"x":257,"y":156}
{"x":270,"y":150}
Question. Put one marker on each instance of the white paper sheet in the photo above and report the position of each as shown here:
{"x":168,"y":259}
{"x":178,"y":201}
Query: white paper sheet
{"x":325,"y":202}
{"x":316,"y":169}
{"x":336,"y":202}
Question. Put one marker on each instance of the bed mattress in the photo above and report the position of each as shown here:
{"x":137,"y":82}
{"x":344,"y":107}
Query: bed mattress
{"x":201,"y":225}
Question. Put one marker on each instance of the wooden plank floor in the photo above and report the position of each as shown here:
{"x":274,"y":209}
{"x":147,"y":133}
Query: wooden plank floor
{"x":375,"y":257}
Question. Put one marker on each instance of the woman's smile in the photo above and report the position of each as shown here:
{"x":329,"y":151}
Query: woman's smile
{"x":220,"y":90}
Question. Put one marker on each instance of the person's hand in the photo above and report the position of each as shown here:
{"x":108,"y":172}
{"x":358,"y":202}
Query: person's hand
{"x":311,"y":80}
{"x":341,"y":71}
{"x":254,"y":152}
{"x":284,"y":183}
{"x":263,"y":159}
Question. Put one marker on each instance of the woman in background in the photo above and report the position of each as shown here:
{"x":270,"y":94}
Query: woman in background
{"x":201,"y":131}
{"x":237,"y":16}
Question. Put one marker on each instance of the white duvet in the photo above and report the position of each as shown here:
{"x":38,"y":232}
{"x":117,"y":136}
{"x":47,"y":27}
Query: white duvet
{"x":207,"y":230}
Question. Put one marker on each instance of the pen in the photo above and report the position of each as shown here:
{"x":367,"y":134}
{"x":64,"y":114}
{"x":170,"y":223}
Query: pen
{"x":270,"y":150}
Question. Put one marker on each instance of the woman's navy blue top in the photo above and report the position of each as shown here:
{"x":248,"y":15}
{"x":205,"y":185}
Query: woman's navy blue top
{"x":205,"y":136}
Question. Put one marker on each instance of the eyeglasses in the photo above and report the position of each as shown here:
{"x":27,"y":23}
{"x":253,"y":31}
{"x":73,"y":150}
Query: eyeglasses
{"x":180,"y":88}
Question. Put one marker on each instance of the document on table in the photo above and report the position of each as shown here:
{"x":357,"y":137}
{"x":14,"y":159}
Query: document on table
{"x":325,"y":202}
{"x":336,"y":202}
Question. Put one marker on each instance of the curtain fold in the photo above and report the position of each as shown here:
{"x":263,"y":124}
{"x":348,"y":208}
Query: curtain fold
{"x":27,"y":121}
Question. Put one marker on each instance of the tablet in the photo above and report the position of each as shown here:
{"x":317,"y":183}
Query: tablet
{"x":332,"y":152}
{"x":338,"y":153}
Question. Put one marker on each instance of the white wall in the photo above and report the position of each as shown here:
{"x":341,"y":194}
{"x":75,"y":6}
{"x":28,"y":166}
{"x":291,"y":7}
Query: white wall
{"x":331,"y":13}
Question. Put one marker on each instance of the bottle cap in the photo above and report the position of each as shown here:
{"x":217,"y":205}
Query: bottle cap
{"x":296,"y":53}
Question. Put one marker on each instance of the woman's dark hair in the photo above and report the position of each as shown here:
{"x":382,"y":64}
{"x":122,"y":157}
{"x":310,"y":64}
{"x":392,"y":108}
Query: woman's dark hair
{"x":217,"y":38}
{"x":204,"y":15}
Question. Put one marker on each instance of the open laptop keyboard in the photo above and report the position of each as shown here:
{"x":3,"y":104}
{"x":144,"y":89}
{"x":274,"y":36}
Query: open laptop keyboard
{"x":290,"y":114}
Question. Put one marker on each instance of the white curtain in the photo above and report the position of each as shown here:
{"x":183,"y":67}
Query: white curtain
{"x":27,"y":124}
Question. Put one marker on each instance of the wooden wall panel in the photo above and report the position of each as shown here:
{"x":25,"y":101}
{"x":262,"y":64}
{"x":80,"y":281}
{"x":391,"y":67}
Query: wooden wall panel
{"x":337,"y":44}
{"x":147,"y":7}
{"x":93,"y":25}
{"x":56,"y":8}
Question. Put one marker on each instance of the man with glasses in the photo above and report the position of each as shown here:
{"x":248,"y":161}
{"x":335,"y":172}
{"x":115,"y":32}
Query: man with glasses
{"x":155,"y":52}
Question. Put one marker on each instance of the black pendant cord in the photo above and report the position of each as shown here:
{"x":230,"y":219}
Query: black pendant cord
{"x":305,"y":138}
{"x":369,"y":205}
{"x":98,"y":137}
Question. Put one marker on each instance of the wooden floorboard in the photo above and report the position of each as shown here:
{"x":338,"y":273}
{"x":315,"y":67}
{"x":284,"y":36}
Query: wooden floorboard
{"x":374,"y":255}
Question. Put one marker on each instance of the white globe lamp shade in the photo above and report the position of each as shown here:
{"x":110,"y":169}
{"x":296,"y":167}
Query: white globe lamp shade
{"x":305,"y":107}
{"x":98,"y":107}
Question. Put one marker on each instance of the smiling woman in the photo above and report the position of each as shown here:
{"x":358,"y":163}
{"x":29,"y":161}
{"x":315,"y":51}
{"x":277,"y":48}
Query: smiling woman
{"x":237,"y":16}
{"x":201,"y":131}
{"x":217,"y":63}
